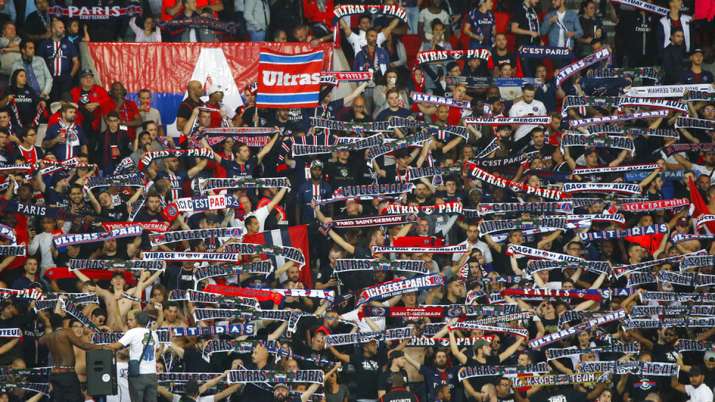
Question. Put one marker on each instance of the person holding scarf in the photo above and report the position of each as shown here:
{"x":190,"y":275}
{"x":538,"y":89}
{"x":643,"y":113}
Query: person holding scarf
{"x":65,"y":139}
{"x":562,"y":27}
{"x":525,"y":27}
{"x":372,"y":58}
{"x":113,"y":144}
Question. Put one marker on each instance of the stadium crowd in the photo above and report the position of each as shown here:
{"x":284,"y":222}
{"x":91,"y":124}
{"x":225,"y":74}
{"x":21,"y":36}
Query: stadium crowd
{"x":522,"y":211}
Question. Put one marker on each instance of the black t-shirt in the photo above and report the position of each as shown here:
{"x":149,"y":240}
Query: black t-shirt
{"x":116,"y":213}
{"x":478,"y":382}
{"x":367,"y":371}
{"x":528,"y":20}
{"x":186,"y":108}
{"x":341,"y":174}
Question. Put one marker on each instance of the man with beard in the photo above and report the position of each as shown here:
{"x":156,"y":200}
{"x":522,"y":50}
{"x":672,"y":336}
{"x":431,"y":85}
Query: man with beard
{"x":61,"y":58}
{"x":281,"y":393}
{"x":152,"y":209}
{"x":65,"y":139}
{"x":194,"y":90}
{"x":367,"y":361}
{"x":439,"y":374}
{"x":65,"y":384}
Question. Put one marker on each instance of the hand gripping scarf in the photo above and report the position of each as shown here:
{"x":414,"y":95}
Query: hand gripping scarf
{"x":502,"y":371}
{"x":157,"y":239}
{"x":211,"y":184}
{"x":556,"y":353}
{"x":653,"y":205}
{"x":190,"y":256}
{"x":551,"y":223}
{"x":83,"y":238}
{"x":668,"y":91}
{"x":573,"y":68}
{"x":585,"y":294}
{"x":367,"y":192}
{"x":440,"y":56}
{"x":149,"y":157}
{"x":253,"y":376}
{"x":597,"y":267}
{"x":291,"y":253}
{"x":132,"y":265}
{"x":454,"y":207}
{"x":502,"y":121}
{"x":472,"y":326}
{"x":614,"y":169}
{"x":212,"y":271}
{"x":502,"y":182}
{"x":545,"y":340}
{"x":619,"y":234}
{"x":438,"y":100}
{"x":565,"y":207}
{"x":365,"y":337}
{"x":451,"y":311}
{"x":397,"y":287}
{"x":349,"y":265}
{"x":345,"y":10}
{"x":653,"y":114}
{"x":588,"y":187}
{"x":688,"y":122}
{"x":587,"y":140}
{"x":459,"y":248}
{"x":654,"y":103}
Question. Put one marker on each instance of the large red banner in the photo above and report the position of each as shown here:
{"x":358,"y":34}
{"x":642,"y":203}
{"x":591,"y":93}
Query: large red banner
{"x":167,"y":67}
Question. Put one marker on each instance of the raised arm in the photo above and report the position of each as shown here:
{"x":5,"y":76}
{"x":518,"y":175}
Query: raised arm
{"x":267,"y":148}
{"x":455,"y":350}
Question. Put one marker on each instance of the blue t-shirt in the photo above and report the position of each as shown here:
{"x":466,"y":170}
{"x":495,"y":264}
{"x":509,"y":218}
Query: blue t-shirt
{"x":387,"y":113}
{"x":75,"y":139}
{"x":482,"y":24}
{"x":234,"y":169}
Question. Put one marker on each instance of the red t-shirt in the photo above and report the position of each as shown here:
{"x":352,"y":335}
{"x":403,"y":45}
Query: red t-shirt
{"x":95,"y":94}
{"x":128,"y":112}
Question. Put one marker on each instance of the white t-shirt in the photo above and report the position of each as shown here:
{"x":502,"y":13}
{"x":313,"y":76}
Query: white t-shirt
{"x":426,"y":18}
{"x":521,"y":109}
{"x":122,"y":394}
{"x":562,"y":35}
{"x":699,"y":394}
{"x":134,"y":338}
{"x":479,"y":245}
{"x":359,"y":40}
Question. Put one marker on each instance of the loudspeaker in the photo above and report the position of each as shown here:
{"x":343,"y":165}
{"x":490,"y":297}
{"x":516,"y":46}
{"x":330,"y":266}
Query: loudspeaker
{"x":101,"y":373}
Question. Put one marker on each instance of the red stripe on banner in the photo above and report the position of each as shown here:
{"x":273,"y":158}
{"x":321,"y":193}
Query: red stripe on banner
{"x":258,"y":294}
{"x":418,"y":241}
{"x":288,"y":79}
{"x":173,"y":63}
{"x":297,"y":236}
{"x":58,"y":273}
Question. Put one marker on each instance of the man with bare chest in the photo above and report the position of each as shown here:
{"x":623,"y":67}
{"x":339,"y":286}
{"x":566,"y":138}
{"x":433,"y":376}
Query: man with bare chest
{"x":63,"y":377}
